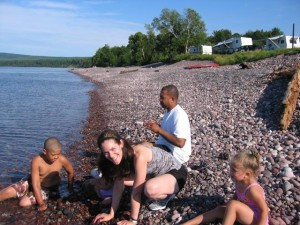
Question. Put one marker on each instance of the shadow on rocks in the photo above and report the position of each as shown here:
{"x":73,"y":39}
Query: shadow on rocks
{"x":269,"y":106}
{"x":199,"y":204}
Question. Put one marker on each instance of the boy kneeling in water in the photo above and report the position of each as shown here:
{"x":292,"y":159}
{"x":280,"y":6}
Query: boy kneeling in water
{"x":45,"y":169}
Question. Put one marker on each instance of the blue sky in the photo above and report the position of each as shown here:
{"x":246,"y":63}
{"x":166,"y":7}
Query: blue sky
{"x":79,"y":28}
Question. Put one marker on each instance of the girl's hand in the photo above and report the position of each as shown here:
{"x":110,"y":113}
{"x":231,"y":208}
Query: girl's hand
{"x":125,"y":222}
{"x":102,"y":218}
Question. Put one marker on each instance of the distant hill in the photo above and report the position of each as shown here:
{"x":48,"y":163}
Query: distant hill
{"x":10,"y":59}
{"x":12,"y":56}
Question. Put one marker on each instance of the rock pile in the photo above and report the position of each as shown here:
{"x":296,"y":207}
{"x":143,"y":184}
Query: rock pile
{"x":230,"y":110}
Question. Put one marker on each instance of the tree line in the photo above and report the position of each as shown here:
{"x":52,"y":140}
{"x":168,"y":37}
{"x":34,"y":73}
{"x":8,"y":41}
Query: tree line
{"x":59,"y":62}
{"x":169,"y":35}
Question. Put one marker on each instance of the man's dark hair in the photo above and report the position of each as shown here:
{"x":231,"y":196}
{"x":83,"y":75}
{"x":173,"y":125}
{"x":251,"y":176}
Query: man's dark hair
{"x":172,"y":90}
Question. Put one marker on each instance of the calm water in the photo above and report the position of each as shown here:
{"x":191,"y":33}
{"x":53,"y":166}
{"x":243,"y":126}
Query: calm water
{"x":36,"y":103}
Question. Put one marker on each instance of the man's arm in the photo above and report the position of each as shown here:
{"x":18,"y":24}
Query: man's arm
{"x":36,"y":184}
{"x":70,"y":171}
{"x":179,"y":142}
{"x":154,"y":127}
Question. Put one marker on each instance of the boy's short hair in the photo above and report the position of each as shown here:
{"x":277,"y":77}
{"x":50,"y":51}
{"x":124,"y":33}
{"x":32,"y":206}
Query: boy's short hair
{"x":52,"y":143}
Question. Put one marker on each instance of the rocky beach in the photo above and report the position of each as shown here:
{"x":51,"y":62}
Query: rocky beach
{"x":230,"y":110}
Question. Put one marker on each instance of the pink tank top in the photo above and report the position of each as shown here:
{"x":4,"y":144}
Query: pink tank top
{"x":243,"y":198}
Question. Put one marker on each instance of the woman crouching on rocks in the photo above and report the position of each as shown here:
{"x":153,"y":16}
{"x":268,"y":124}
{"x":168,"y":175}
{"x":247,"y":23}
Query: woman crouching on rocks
{"x":150,"y":170}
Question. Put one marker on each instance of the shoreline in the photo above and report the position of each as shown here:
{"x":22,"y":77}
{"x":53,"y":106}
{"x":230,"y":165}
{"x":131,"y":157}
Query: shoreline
{"x":228,"y":112}
{"x":136,"y":92}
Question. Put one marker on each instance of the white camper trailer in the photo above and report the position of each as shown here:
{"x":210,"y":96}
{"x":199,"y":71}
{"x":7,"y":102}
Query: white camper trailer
{"x":282,"y":41}
{"x":202,"y":49}
{"x":233,"y":44}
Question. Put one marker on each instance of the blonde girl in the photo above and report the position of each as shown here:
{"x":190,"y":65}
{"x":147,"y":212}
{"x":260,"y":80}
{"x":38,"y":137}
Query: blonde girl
{"x":248,"y":205}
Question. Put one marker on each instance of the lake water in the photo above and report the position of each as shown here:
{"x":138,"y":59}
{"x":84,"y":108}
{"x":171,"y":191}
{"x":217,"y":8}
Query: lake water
{"x":36,"y":103}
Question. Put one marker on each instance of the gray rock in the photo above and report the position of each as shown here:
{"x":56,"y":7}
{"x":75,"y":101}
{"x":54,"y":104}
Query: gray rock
{"x":287,"y":186}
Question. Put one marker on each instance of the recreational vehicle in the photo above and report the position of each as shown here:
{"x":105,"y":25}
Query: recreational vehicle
{"x":282,"y":41}
{"x":202,"y":49}
{"x":232,"y":45}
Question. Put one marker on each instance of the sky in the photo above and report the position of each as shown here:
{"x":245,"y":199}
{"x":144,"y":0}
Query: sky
{"x":80,"y":27}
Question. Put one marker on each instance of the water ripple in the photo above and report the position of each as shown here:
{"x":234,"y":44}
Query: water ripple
{"x":37,"y":103}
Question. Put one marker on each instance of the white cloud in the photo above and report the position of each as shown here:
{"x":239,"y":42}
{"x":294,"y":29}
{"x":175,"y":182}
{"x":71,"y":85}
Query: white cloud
{"x":51,"y":4}
{"x":98,"y":2}
{"x":49,"y":31}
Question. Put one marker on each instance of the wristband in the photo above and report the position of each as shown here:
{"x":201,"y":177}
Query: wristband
{"x":133,"y":220}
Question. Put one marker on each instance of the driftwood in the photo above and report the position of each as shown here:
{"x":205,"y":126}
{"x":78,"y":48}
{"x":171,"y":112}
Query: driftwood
{"x":284,"y":72}
{"x":128,"y":71}
{"x":154,"y":65}
{"x":245,"y":65}
{"x":290,"y":100}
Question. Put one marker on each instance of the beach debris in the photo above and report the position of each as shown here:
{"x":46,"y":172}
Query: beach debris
{"x":154,"y":65}
{"x":128,"y":71}
{"x":139,"y":123}
{"x":289,"y":103}
{"x":245,"y":65}
{"x":199,"y":66}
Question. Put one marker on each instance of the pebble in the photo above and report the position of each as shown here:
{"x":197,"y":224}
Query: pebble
{"x":175,"y":216}
{"x":287,"y":186}
{"x":230,"y":110}
{"x":288,"y":172}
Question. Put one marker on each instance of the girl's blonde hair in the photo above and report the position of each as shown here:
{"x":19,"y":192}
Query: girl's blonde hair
{"x":248,"y":160}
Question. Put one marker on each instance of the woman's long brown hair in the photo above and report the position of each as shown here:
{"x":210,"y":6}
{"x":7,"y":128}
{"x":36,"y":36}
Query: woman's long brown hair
{"x":110,"y":171}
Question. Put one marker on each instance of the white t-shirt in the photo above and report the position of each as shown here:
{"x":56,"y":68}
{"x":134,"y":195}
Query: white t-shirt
{"x":176,"y":122}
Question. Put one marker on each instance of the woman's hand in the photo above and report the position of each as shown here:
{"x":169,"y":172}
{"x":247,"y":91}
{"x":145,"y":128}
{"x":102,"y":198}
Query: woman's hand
{"x":125,"y":222}
{"x":103,"y":217}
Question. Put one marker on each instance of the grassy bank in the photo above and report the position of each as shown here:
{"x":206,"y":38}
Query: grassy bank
{"x":7,"y":59}
{"x":237,"y":57}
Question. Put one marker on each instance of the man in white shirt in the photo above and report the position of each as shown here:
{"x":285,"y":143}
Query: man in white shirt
{"x":174,"y":132}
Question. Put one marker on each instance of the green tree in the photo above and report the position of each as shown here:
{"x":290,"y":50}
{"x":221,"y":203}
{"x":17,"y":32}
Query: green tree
{"x":275,"y":32}
{"x":151,"y":44}
{"x":236,"y":35}
{"x":194,"y":31}
{"x":104,"y":57}
{"x":168,"y":24}
{"x":220,"y":35}
{"x":176,"y":32}
{"x":137,"y":45}
{"x":259,"y":36}
{"x":121,"y":56}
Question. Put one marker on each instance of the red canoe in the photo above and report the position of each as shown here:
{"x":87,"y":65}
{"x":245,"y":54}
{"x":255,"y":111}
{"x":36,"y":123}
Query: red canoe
{"x":202,"y":66}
